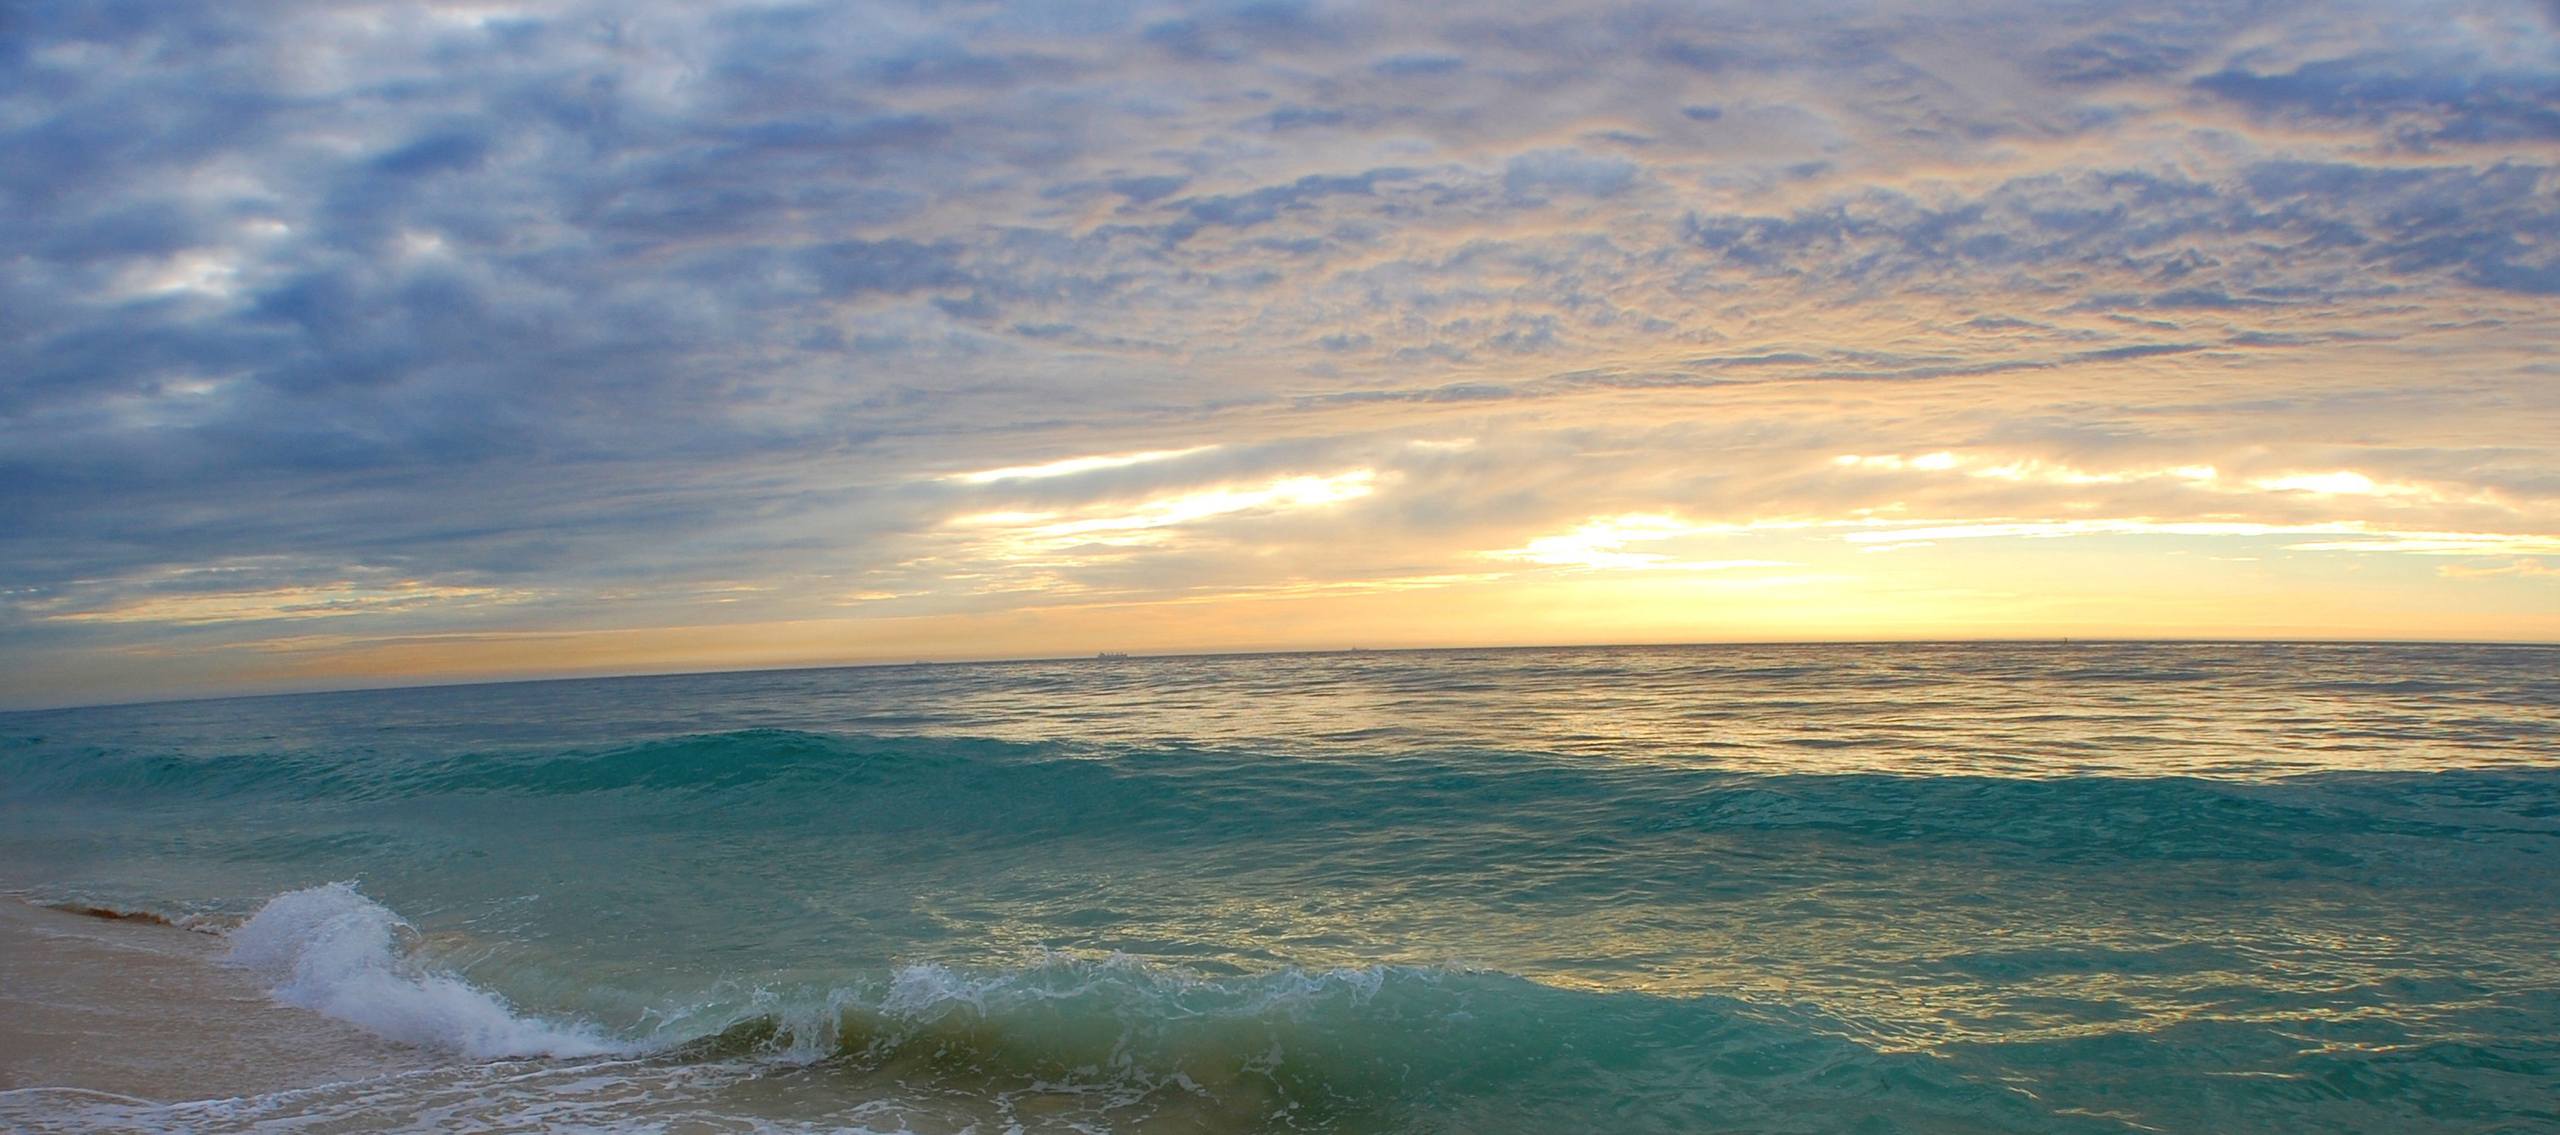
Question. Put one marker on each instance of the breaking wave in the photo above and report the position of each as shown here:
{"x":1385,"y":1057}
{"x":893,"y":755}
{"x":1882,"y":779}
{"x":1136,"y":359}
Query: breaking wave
{"x":333,"y":951}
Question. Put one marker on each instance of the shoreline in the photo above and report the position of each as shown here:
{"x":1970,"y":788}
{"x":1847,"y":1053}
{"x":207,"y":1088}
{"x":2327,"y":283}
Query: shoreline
{"x":128,"y":1006}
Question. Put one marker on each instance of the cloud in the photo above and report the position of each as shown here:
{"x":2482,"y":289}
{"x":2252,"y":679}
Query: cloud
{"x":2468,"y":101}
{"x":1566,"y":171}
{"x":460,"y":321}
{"x":295,"y":603}
{"x":895,"y":267}
{"x":1264,"y":205}
{"x":2298,"y":233}
{"x":1602,"y":544}
{"x":2517,"y":569}
{"x":1419,"y":65}
{"x":1071,"y":466}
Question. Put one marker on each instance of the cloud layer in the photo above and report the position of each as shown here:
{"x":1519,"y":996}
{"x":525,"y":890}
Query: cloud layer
{"x":352,"y":341}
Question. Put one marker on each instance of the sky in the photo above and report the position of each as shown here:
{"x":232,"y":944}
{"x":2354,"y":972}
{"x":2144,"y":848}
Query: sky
{"x":351,"y":344}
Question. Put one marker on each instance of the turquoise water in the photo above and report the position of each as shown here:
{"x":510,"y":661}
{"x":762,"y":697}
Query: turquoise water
{"x":1903,"y":888}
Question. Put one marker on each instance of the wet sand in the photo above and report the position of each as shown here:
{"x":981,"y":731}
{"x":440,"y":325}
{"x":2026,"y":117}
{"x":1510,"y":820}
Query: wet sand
{"x":146,"y":1011}
{"x":121,"y":1025}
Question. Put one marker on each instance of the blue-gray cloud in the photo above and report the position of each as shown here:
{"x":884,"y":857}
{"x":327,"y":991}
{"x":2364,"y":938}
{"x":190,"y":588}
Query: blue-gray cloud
{"x":580,"y":295}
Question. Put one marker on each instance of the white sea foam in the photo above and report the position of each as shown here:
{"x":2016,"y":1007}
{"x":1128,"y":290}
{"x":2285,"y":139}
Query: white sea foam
{"x":331,"y":950}
{"x":597,"y":1097}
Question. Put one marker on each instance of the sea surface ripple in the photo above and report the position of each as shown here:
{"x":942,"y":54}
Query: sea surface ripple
{"x":1905,"y":887}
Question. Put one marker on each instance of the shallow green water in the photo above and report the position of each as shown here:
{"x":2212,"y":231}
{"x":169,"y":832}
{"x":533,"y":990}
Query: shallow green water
{"x":2108,"y":887}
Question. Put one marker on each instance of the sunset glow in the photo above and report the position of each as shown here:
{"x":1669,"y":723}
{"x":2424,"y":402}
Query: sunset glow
{"x":396,"y":342}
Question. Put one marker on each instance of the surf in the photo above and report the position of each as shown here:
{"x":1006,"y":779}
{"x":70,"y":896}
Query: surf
{"x":1751,"y":889}
{"x":331,"y":950}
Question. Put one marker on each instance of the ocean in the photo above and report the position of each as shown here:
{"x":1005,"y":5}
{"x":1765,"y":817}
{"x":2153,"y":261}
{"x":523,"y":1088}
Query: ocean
{"x":2087,"y":887}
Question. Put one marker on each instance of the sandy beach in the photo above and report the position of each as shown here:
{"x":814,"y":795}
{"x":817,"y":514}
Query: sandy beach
{"x":94,"y":1006}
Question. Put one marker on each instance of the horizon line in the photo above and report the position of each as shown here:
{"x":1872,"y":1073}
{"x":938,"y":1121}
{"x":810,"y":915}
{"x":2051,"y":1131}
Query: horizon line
{"x":1143,"y":656}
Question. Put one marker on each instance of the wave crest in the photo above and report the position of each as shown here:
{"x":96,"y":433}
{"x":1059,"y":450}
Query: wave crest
{"x":331,"y":950}
{"x":1116,"y":1043}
